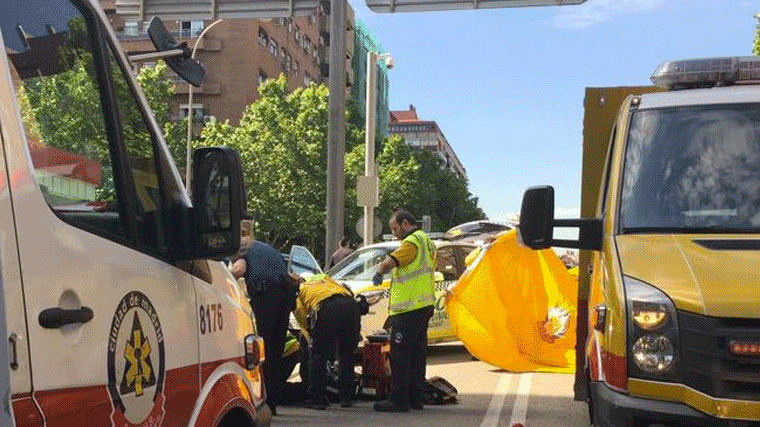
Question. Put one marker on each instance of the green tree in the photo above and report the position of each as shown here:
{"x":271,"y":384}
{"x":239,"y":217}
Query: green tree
{"x":416,"y":180}
{"x":159,"y":92}
{"x":756,"y":43}
{"x":282,"y":142}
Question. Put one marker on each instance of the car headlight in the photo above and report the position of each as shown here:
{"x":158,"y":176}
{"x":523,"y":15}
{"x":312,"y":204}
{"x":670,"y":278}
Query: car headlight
{"x":373,"y":297}
{"x":653,"y":339}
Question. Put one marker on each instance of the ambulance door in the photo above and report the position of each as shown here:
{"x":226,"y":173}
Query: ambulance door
{"x":111,"y":322}
{"x":225,"y":318}
{"x":14,"y":320}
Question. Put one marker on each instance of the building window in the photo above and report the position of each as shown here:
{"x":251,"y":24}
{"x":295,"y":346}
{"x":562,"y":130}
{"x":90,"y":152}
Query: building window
{"x":273,"y":47}
{"x":307,"y":45}
{"x":262,"y":76}
{"x":130,"y":28}
{"x":288,"y":61}
{"x":295,"y":67}
{"x":297,"y":35}
{"x":263,"y":38}
{"x":198,"y":112}
{"x":290,"y":25}
{"x":188,"y":29}
{"x":306,"y":79}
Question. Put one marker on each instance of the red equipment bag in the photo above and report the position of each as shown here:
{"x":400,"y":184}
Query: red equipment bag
{"x":376,"y":370}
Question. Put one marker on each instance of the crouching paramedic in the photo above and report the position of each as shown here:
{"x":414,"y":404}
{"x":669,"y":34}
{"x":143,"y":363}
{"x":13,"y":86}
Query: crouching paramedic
{"x":412,"y":295}
{"x":329,"y":315}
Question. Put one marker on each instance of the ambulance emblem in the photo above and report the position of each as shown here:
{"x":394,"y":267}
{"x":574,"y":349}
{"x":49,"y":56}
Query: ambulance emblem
{"x":136,"y":363}
{"x":138,"y":372}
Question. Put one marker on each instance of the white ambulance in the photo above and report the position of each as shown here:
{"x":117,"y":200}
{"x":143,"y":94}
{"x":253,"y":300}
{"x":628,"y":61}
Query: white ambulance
{"x":115,"y":315}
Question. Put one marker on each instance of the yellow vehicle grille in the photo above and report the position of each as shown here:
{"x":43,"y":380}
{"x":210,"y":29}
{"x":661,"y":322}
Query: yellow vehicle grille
{"x":709,"y":366}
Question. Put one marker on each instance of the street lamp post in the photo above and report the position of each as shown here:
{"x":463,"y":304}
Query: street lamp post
{"x":188,"y":159}
{"x":369,"y":157}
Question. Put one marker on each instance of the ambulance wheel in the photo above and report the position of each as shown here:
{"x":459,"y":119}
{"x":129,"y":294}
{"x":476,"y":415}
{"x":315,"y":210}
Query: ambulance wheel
{"x":590,"y":401}
{"x":236,"y":418}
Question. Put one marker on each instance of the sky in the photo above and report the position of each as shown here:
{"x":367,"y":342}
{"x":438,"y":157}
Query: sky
{"x":506,"y":86}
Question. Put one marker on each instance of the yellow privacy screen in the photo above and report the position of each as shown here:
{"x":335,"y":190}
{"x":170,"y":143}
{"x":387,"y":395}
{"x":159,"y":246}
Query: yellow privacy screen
{"x":515,"y":308}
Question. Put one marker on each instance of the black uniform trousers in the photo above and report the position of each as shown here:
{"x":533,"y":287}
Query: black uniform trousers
{"x":338,"y":324}
{"x":271,"y":312}
{"x":409,"y":355}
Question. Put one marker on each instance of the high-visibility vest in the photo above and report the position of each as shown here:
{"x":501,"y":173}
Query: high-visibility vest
{"x":412,"y":285}
{"x":311,"y":295}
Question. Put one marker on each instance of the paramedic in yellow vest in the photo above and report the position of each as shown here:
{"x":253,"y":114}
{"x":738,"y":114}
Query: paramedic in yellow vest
{"x":410,"y":308}
{"x":329,"y":316}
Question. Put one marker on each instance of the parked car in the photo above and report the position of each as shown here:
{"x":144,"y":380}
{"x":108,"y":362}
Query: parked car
{"x":356,"y":271}
{"x":477,"y":231}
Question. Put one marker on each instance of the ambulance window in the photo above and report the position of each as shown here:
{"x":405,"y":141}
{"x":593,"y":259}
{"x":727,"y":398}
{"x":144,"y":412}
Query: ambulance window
{"x":48,"y":43}
{"x":93,"y":154}
{"x":607,"y":171}
{"x":139,"y":144}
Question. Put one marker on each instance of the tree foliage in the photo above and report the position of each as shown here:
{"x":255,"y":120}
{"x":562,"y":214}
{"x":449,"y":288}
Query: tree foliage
{"x":282,"y":140}
{"x":756,"y":42}
{"x":418,"y":181}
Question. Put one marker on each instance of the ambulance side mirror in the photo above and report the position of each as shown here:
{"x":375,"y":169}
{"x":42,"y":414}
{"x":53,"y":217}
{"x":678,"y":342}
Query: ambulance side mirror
{"x":218,"y":202}
{"x":536,"y":217}
{"x":537,"y":222}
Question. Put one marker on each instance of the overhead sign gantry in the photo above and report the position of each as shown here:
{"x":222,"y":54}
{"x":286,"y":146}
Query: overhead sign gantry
{"x":393,"y":6}
{"x":188,"y":10}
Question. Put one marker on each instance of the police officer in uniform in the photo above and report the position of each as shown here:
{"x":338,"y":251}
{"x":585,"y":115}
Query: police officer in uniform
{"x":412,"y":296}
{"x":272,"y":294}
{"x":329,"y":316}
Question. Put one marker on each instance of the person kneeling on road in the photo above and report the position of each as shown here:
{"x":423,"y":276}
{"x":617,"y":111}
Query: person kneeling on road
{"x":328,"y":314}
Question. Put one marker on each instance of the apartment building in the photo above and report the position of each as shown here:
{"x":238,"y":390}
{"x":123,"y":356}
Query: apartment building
{"x":425,"y":135}
{"x":239,"y":54}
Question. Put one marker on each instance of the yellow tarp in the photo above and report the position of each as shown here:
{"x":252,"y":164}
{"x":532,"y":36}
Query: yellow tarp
{"x":515,"y":308}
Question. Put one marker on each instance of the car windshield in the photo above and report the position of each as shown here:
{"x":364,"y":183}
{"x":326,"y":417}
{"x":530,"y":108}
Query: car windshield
{"x":693,"y":169}
{"x":359,"y":265}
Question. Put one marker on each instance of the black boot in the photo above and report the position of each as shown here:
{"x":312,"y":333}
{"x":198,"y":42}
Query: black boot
{"x":316,"y":404}
{"x":390,"y":406}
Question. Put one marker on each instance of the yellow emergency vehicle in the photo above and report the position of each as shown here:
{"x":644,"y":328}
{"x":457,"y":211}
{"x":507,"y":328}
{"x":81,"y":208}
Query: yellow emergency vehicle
{"x":669,"y":297}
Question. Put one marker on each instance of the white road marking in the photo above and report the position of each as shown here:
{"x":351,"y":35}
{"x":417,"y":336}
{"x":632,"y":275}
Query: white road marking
{"x":497,"y":401}
{"x":520,"y":409}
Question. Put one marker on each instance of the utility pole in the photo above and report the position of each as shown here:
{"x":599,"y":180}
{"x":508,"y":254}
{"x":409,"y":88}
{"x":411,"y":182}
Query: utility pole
{"x":336,"y":128}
